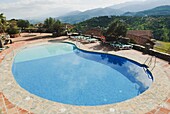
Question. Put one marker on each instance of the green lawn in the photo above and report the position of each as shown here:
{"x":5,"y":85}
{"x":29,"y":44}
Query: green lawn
{"x":162,"y":46}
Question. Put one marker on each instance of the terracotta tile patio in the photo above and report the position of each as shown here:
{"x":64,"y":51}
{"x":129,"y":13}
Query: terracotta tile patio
{"x":6,"y":107}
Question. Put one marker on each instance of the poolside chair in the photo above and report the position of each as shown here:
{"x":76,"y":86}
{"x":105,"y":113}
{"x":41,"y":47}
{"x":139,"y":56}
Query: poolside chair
{"x":116,"y":45}
{"x":1,"y":49}
{"x":86,"y":38}
{"x":92,"y":40}
{"x":119,"y":45}
{"x":127,"y":46}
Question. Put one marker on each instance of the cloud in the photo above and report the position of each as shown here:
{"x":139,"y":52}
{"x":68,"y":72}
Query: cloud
{"x":36,"y":8}
{"x":32,"y":8}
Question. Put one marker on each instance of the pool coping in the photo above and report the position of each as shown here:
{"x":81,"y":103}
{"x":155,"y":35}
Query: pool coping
{"x":140,"y":104}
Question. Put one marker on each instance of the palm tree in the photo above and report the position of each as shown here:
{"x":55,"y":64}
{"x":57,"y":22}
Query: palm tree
{"x":2,"y":23}
{"x":2,"y":26}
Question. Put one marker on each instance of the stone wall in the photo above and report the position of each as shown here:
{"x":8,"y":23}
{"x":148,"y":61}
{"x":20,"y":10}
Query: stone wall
{"x":152,"y":52}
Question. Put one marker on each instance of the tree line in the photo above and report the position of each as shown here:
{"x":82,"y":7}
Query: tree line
{"x":14,"y":26}
{"x":160,"y":25}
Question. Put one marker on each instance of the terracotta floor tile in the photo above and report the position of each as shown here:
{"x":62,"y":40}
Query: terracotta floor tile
{"x":1,"y":103}
{"x":7,"y":102}
{"x":10,"y":106}
{"x":152,"y":111}
{"x":3,"y":110}
{"x":167,"y":105}
{"x":168,"y":100}
{"x":163,"y":111}
{"x":19,"y":109}
{"x":4,"y":113}
{"x":23,"y":112}
{"x":12,"y":111}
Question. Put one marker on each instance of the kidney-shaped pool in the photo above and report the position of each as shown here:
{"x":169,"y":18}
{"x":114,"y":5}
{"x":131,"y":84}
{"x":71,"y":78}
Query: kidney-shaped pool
{"x":63,"y":73}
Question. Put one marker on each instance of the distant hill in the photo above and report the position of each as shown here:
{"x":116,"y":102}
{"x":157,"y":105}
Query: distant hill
{"x":161,"y":10}
{"x":33,"y":21}
{"x":136,"y":6}
{"x":72,"y":13}
{"x":82,"y":16}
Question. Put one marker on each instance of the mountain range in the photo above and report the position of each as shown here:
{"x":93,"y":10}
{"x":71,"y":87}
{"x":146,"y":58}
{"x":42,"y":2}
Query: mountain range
{"x":161,"y":10}
{"x":134,"y":8}
{"x":77,"y":16}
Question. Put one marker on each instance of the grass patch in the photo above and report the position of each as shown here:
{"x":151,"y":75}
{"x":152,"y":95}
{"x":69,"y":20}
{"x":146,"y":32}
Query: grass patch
{"x":162,"y":47}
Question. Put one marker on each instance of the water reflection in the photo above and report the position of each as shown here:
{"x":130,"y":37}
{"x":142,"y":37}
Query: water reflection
{"x":131,"y":70}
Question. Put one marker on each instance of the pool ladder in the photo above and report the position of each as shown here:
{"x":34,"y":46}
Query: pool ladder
{"x":77,"y":44}
{"x":149,"y":62}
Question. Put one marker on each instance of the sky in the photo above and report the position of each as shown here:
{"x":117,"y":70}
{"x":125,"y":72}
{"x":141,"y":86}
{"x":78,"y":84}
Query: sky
{"x":28,"y":9}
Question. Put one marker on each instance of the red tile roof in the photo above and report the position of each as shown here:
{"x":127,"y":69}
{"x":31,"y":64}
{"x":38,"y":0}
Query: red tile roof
{"x":144,"y":33}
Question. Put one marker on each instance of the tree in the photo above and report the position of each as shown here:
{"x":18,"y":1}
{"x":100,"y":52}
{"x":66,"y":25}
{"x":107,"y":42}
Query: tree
{"x":23,"y":24}
{"x":3,"y":23}
{"x":57,"y":28}
{"x":49,"y":23}
{"x":54,"y":26}
{"x":168,"y":23}
{"x":2,"y":26}
{"x":12,"y":27}
{"x":169,"y":36}
{"x":116,"y":29}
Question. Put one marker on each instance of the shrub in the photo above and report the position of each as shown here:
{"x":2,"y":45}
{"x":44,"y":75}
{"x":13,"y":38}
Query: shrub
{"x":12,"y":31}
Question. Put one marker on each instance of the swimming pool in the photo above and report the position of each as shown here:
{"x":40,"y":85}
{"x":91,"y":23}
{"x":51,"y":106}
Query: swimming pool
{"x":63,"y":73}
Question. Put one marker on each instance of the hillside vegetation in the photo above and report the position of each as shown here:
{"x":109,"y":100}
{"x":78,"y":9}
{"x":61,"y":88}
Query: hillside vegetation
{"x":160,"y":25}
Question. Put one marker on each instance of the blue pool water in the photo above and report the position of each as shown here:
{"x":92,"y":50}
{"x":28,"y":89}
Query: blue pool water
{"x":61,"y":72}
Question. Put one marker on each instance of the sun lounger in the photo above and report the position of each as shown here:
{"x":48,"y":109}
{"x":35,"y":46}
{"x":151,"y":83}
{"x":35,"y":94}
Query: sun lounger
{"x":127,"y":46}
{"x":121,"y":46}
{"x":2,"y":48}
{"x":116,"y":45}
{"x":86,"y":37}
{"x":92,"y":40}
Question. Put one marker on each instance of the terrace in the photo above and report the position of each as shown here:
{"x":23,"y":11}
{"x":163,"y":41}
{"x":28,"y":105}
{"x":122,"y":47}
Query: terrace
{"x":14,"y":99}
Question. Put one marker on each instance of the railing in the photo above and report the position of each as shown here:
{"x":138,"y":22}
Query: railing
{"x":153,"y":52}
{"x":150,"y":62}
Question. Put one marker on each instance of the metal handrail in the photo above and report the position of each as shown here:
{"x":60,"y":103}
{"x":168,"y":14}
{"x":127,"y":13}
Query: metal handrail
{"x":150,"y":61}
{"x":154,"y":65}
